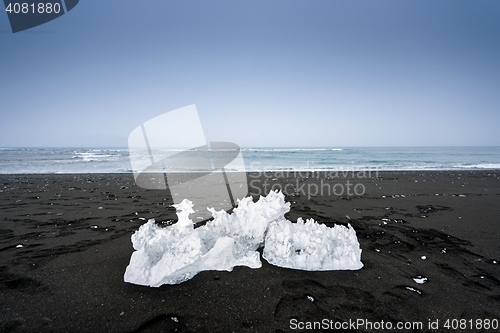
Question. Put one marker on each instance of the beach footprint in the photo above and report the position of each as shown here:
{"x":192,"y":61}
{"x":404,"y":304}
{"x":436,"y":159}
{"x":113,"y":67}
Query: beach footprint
{"x":162,"y":323}
{"x":301,"y":300}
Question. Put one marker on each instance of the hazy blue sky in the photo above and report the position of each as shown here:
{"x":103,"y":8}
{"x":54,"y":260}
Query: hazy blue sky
{"x":261,"y":73}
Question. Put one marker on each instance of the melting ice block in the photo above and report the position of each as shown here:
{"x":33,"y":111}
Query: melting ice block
{"x":311,"y":246}
{"x":174,"y":254}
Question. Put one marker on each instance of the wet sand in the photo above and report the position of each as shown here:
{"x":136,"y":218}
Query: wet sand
{"x":65,"y":244}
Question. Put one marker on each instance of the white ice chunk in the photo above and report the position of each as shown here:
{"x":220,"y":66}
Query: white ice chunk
{"x":174,"y":254}
{"x":178,"y":252}
{"x":312,"y":246}
{"x":420,"y":279}
{"x":414,"y":290}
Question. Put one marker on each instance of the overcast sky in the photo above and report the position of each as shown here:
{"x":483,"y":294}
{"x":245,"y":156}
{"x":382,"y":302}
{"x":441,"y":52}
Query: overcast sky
{"x":261,"y":73}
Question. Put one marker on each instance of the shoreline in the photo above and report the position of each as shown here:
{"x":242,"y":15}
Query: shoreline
{"x":75,"y":234}
{"x":294,"y":171}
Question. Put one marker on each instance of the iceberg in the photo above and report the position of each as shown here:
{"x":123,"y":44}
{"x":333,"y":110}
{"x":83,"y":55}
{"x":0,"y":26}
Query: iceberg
{"x":174,"y":254}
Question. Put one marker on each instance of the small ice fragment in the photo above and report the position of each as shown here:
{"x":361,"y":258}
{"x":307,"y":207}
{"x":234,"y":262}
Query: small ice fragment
{"x":310,"y":298}
{"x":174,"y":319}
{"x":378,"y":250}
{"x":423,"y":257}
{"x":462,"y":195}
{"x":20,"y":245}
{"x":99,"y":208}
{"x":122,"y":313}
{"x":443,"y":250}
{"x":414,"y":290}
{"x":348,"y":217}
{"x":142,"y":218}
{"x":481,"y":277}
{"x":495,"y":262}
{"x":94,"y":227}
{"x":420,"y":279}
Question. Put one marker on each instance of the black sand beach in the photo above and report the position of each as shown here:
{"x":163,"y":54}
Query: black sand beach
{"x":65,"y":244}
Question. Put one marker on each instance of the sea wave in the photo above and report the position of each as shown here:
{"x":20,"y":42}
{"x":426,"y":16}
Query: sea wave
{"x":480,"y":166}
{"x":117,"y":160}
{"x":290,"y":149}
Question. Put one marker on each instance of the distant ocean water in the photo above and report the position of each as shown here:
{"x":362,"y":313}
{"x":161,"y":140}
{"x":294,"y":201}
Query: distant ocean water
{"x":116,"y":160}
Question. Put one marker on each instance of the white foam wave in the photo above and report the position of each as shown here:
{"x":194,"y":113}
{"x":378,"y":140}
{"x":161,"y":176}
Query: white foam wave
{"x":481,"y":166}
{"x":290,"y":149}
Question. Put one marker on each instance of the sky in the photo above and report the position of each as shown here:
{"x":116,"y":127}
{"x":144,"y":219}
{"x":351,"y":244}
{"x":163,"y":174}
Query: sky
{"x":261,"y":73}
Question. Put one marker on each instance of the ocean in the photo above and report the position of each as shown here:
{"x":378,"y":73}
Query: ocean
{"x":116,"y":160}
